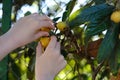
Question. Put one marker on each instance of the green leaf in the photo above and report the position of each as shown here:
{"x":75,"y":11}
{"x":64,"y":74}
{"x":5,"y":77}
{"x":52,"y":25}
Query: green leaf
{"x":68,"y":10}
{"x":73,"y":17}
{"x":108,"y":43}
{"x":3,"y":69}
{"x":114,"y":60}
{"x":94,"y":29}
{"x":6,"y":23}
{"x":32,"y":63}
{"x":93,"y":14}
{"x":15,"y":69}
{"x":113,"y":63}
{"x":6,"y":19}
{"x":56,"y":19}
{"x":105,"y":73}
{"x":117,"y":51}
{"x":32,"y":45}
{"x":99,"y":1}
{"x":64,"y":53}
{"x":27,"y":13}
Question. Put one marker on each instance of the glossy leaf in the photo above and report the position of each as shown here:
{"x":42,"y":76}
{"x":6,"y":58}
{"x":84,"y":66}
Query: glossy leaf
{"x":6,"y":23}
{"x":73,"y":17}
{"x":64,"y":53}
{"x":108,"y":43}
{"x":99,"y":1}
{"x":94,"y":29}
{"x":56,"y":19}
{"x":68,"y":10}
{"x":94,"y":14}
{"x":32,"y":45}
{"x":117,"y":52}
{"x":114,"y":60}
{"x":6,"y":19}
{"x":27,"y":13}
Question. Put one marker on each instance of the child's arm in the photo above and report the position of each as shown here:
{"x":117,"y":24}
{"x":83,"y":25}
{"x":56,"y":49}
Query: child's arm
{"x":23,"y":32}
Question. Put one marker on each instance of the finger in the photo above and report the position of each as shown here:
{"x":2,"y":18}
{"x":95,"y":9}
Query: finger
{"x":58,"y":46}
{"x":63,"y":64}
{"x":34,"y":15}
{"x":52,"y":42}
{"x":43,"y":17}
{"x":38,"y":50}
{"x":40,"y":17}
{"x":40,"y":34}
{"x":46,"y":24}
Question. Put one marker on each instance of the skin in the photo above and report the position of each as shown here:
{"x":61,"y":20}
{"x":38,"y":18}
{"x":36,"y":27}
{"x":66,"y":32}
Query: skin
{"x":23,"y":32}
{"x":51,"y":56}
{"x":26,"y":30}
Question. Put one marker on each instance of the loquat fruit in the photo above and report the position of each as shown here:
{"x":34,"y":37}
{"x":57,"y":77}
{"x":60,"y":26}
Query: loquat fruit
{"x":45,"y":29}
{"x":115,"y":17}
{"x":44,"y":41}
{"x":61,"y":26}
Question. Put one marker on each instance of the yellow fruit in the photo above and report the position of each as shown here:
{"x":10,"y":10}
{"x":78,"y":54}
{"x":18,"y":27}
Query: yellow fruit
{"x":115,"y":17}
{"x":45,"y":29}
{"x":61,"y":26}
{"x":44,"y":41}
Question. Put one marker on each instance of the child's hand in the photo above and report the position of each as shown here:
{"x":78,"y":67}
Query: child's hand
{"x":24,"y":31}
{"x":49,"y":63}
{"x":27,"y":29}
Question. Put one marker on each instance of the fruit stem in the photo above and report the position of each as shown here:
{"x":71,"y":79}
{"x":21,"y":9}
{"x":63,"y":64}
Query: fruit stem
{"x":117,"y":5}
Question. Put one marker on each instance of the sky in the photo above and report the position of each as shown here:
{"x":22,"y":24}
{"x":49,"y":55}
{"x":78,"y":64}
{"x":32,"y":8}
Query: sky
{"x":49,"y":3}
{"x":0,"y":10}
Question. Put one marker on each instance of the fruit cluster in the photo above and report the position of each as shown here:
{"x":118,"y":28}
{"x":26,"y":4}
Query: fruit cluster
{"x":45,"y":40}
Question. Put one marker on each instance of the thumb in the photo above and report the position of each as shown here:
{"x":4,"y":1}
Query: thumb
{"x":38,"y":50}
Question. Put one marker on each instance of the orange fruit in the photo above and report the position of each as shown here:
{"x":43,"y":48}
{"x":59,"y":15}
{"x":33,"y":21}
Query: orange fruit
{"x":61,"y":26}
{"x":115,"y":17}
{"x":45,"y":29}
{"x":44,"y":41}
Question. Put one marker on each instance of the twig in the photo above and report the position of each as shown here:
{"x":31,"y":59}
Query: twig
{"x":95,"y":72}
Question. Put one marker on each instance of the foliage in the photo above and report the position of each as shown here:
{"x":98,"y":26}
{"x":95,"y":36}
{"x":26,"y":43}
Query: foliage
{"x":88,"y":58}
{"x":6,"y":22}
